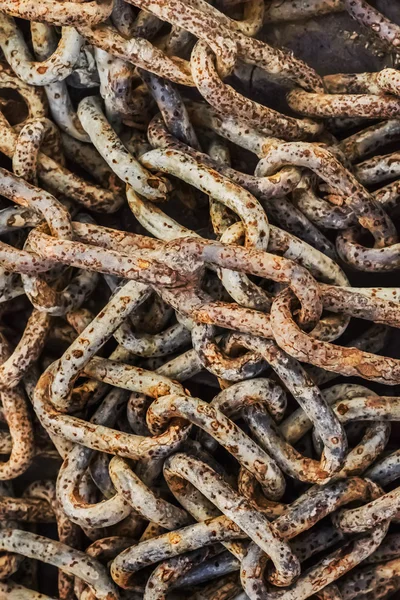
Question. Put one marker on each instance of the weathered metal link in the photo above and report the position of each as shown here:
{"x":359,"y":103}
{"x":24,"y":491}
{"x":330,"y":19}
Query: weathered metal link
{"x":373,"y":441}
{"x":110,"y":262}
{"x":9,"y":562}
{"x":312,"y":509}
{"x":253,"y":13}
{"x":39,"y":292}
{"x":383,"y":81}
{"x":27,"y":350}
{"x":385,"y":470}
{"x":223,"y":96}
{"x":114,"y":152}
{"x":306,"y":469}
{"x":364,"y":518}
{"x":45,"y":491}
{"x":90,"y":160}
{"x":197,"y":18}
{"x":169,"y":573}
{"x":115,"y":74}
{"x":16,"y":414}
{"x":76,"y":462}
{"x":371,"y":580}
{"x":58,"y":382}
{"x":143,"y":500}
{"x":238,"y":286}
{"x":30,"y":139}
{"x":172,"y":108}
{"x":369,"y":16}
{"x":71,"y":13}
{"x":294,"y":427}
{"x":321,"y":212}
{"x":339,"y":359}
{"x":21,"y":192}
{"x":307,"y":394}
{"x":368,"y":140}
{"x":56,"y":68}
{"x":278,"y":10}
{"x":378,"y":169}
{"x":33,"y":98}
{"x":364,"y":106}
{"x":45,"y":43}
{"x":26,"y":509}
{"x":377,"y":305}
{"x":280,"y":241}
{"x":364,"y":258}
{"x":206,"y":179}
{"x":66,"y":558}
{"x":229,"y":127}
{"x":190,"y":253}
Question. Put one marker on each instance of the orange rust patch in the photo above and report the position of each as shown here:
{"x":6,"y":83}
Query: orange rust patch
{"x":143,"y":264}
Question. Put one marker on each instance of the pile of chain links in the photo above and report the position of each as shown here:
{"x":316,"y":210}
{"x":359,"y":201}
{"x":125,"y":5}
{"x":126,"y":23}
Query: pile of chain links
{"x":170,"y":421}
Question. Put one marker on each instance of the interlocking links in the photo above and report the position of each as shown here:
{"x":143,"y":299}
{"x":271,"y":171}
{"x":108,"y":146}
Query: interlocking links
{"x":197,"y":18}
{"x":312,"y":402}
{"x":189,"y":254}
{"x":41,"y":294}
{"x":370,"y":215}
{"x":106,"y":439}
{"x":331,"y":568}
{"x":56,"y":68}
{"x":279,"y":184}
{"x":74,"y":467}
{"x":219,"y":94}
{"x":162,"y":364}
{"x":224,"y":431}
{"x":256,"y":526}
{"x":138,"y":51}
{"x":339,"y":359}
{"x":69,"y":560}
{"x":58,"y":178}
{"x":45,"y":43}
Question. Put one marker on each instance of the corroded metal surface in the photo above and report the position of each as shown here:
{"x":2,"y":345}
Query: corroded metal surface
{"x":188,"y":261}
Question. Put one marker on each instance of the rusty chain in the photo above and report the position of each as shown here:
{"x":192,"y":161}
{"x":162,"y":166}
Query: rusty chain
{"x":184,"y":273}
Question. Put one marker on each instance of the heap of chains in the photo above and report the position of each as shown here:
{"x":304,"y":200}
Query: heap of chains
{"x":170,"y":423}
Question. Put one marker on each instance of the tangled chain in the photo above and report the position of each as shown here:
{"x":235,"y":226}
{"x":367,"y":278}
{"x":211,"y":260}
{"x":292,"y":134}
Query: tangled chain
{"x":184,"y":273}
